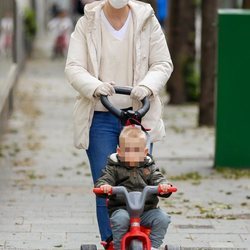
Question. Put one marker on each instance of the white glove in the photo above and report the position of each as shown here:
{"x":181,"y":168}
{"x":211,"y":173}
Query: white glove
{"x":139,"y":92}
{"x":104,"y":89}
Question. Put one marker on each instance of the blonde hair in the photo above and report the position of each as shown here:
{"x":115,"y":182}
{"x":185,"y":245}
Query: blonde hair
{"x":132,"y":132}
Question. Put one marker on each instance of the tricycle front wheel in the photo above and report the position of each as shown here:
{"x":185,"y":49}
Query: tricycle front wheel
{"x":136,"y":245}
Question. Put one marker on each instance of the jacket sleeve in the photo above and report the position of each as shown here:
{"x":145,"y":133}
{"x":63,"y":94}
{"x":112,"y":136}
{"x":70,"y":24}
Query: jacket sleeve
{"x":160,"y":63}
{"x":158,"y":178}
{"x":108,"y":176}
{"x":76,"y":64}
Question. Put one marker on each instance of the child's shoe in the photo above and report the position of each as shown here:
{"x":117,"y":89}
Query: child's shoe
{"x":108,"y":244}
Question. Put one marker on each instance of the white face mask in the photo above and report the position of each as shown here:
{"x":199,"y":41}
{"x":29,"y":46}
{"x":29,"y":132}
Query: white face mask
{"x":118,"y":4}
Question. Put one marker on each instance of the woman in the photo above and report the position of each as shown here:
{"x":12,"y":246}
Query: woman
{"x":116,"y":42}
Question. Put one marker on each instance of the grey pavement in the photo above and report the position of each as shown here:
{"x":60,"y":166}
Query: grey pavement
{"x":46,"y":200}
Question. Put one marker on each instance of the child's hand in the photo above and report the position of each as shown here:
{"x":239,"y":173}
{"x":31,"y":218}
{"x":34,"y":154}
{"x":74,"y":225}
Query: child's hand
{"x":164,"y":187}
{"x":106,"y":188}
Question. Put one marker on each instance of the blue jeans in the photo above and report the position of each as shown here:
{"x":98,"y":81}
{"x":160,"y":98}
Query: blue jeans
{"x":103,"y":140}
{"x":156,"y":219}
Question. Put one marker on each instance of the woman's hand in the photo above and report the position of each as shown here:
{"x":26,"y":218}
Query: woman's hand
{"x":139,"y":92}
{"x":105,"y":89}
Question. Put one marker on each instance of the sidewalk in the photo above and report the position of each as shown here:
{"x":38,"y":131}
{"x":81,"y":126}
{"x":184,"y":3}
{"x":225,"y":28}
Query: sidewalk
{"x":45,"y":184}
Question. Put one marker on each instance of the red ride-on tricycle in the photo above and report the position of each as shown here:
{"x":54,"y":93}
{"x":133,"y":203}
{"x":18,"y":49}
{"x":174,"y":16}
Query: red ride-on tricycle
{"x":137,"y":238}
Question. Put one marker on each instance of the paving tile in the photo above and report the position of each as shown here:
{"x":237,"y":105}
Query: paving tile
{"x":15,"y":228}
{"x":19,"y":236}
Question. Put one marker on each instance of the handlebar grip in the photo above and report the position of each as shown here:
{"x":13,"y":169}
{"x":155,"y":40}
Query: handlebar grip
{"x":123,"y":90}
{"x":170,"y":190}
{"x":100,"y":191}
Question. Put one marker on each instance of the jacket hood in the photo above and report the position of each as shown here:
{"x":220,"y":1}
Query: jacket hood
{"x":140,"y":11}
{"x":114,"y":160}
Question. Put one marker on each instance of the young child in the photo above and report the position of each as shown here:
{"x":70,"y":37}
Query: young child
{"x":134,"y":169}
{"x":61,"y":26}
{"x":6,"y":33}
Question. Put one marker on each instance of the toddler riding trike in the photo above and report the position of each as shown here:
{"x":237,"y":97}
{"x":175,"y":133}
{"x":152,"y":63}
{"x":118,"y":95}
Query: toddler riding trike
{"x":137,"y":238}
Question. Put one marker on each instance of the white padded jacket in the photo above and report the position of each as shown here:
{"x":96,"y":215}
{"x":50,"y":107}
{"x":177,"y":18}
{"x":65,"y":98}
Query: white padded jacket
{"x":153,"y":66}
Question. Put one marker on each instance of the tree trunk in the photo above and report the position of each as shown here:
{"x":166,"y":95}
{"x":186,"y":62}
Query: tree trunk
{"x":246,"y":4}
{"x":181,"y":40}
{"x":208,"y":61}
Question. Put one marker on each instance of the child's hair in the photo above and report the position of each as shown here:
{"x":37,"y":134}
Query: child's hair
{"x":132,"y":132}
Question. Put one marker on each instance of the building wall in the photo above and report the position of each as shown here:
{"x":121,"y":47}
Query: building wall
{"x":41,"y":10}
{"x":5,"y":5}
{"x":11,"y":62}
{"x":23,"y":3}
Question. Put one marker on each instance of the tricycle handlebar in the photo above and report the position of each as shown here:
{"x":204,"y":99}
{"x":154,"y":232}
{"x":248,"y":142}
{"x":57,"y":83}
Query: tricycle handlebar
{"x":152,"y":189}
{"x":135,"y":201}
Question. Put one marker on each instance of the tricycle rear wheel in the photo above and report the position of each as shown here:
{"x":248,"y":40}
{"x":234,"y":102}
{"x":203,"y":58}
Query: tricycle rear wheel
{"x":172,"y":247}
{"x":88,"y":247}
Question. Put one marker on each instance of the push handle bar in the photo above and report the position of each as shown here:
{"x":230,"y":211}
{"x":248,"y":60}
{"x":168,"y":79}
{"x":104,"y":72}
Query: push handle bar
{"x":120,"y":113}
